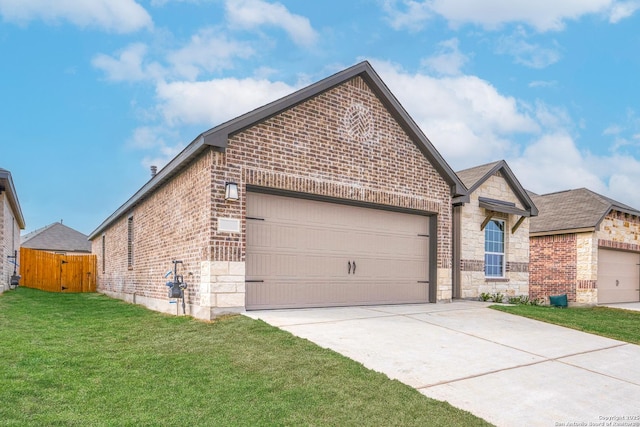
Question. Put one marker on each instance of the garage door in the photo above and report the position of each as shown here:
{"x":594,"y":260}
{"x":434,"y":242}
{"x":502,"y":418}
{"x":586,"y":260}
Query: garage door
{"x":618,"y":276}
{"x":306,"y":253}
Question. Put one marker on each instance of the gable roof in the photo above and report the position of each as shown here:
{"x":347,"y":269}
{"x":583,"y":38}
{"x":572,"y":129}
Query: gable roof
{"x":6,"y":185}
{"x":56,"y":237}
{"x":474,"y":177}
{"x":573,"y":210}
{"x":218,"y":136}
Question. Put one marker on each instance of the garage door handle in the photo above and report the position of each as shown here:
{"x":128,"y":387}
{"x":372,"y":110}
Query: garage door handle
{"x":354,"y":267}
{"x":349,"y":267}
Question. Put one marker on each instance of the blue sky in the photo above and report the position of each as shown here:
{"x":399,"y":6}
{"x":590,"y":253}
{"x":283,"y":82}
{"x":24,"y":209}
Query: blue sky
{"x":95,"y":92}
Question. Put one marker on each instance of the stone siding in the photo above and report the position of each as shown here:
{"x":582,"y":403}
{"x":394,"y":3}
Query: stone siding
{"x":472,"y":278}
{"x":586,"y":269}
{"x":620,"y":229}
{"x":342,"y":144}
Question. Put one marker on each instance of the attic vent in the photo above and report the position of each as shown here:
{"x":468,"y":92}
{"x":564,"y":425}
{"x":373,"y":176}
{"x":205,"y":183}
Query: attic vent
{"x":154,"y":171}
{"x":358,"y":123}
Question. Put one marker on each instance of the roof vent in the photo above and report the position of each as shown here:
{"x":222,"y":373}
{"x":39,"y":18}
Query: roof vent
{"x":154,"y":170}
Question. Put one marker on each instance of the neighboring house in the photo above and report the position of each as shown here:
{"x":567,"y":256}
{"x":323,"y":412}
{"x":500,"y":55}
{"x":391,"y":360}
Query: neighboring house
{"x":330,"y":196}
{"x":587,"y":246}
{"x":57,"y":238}
{"x":11,"y":222}
{"x":491,"y":233}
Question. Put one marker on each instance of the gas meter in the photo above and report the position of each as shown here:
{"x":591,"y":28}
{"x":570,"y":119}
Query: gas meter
{"x":177,"y":285}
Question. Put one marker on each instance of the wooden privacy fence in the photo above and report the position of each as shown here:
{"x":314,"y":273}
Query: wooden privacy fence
{"x":57,"y":272}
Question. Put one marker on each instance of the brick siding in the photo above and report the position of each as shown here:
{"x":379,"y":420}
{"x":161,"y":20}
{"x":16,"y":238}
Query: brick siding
{"x":553,"y":266}
{"x":174,"y":222}
{"x":311,"y":148}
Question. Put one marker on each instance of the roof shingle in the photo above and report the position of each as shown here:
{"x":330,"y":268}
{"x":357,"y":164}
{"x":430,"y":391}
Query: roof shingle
{"x":56,"y":237}
{"x":573,"y":209}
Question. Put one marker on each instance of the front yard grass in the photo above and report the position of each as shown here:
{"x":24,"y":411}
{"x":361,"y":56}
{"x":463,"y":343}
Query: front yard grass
{"x":85,"y":359}
{"x":623,"y":325}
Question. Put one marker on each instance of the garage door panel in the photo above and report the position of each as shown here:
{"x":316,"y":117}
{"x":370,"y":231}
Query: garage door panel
{"x":270,"y":234}
{"x":287,"y":294}
{"x":298,"y":253}
{"x":618,"y":276}
{"x":293,"y":265}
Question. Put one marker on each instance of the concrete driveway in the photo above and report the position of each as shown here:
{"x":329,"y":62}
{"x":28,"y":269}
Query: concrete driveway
{"x":635,"y":306}
{"x":506,"y":369}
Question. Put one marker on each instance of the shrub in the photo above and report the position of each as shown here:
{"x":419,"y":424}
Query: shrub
{"x":485,"y":296}
{"x":497,"y":297}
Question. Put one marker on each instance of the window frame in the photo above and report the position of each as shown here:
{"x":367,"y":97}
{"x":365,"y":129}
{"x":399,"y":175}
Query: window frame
{"x":488,"y":253}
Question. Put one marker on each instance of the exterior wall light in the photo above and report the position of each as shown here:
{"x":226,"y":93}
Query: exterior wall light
{"x":231,"y":191}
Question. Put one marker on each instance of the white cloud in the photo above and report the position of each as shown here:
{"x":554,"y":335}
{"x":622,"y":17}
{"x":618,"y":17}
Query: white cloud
{"x":146,"y":137}
{"x":255,"y":13}
{"x":525,"y":53}
{"x":543,"y":83}
{"x":622,"y":10}
{"x":552,"y":118}
{"x":120,"y":16}
{"x":623,"y":179}
{"x":410,"y":14}
{"x":465,"y":117}
{"x":542,"y":15}
{"x":449,"y":60}
{"x":129,"y":65}
{"x":163,"y":2}
{"x":210,"y":103}
{"x":554,"y":163}
{"x":208,"y":51}
{"x":164,"y":143}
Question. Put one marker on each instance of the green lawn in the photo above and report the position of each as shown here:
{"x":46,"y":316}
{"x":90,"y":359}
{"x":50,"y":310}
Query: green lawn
{"x":623,"y":325}
{"x":85,"y":359}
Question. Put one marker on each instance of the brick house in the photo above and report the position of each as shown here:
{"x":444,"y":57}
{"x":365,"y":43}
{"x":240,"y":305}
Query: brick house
{"x":491,"y":233}
{"x":587,"y":246}
{"x":11,"y":222}
{"x":341,"y":200}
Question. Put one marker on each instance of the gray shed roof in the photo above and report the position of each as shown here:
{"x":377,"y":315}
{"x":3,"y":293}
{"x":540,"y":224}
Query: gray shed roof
{"x":56,"y":237}
{"x":218,"y":136}
{"x":573,"y":210}
{"x":473,"y":178}
{"x":6,"y":185}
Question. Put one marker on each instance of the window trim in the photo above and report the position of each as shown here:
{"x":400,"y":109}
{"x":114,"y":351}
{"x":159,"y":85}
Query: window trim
{"x":104,"y":253}
{"x":130,"y":242}
{"x":503,"y":253}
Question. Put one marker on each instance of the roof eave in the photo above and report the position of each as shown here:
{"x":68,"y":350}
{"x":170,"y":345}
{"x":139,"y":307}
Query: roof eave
{"x":497,"y":207}
{"x":192,"y":150}
{"x":12,"y":196}
{"x":562,"y":231}
{"x":521,"y":193}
